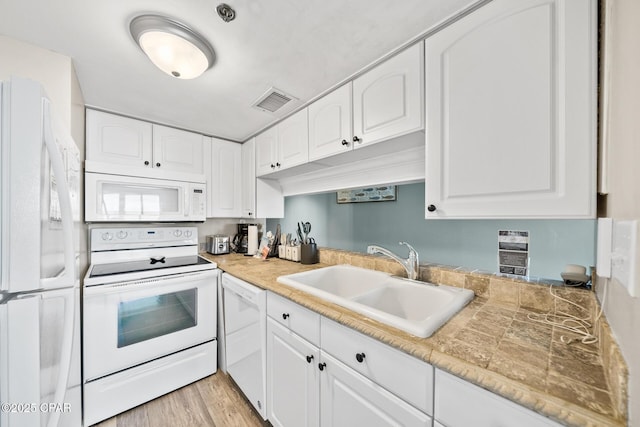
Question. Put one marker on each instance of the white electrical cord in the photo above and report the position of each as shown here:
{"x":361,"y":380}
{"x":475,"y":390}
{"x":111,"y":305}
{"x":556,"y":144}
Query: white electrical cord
{"x":569,"y":322}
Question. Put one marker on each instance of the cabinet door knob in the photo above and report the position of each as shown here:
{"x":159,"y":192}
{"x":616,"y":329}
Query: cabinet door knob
{"x":273,"y":166}
{"x":321,"y":366}
{"x":360,"y":357}
{"x":157,"y":165}
{"x":431,"y":208}
{"x":356,"y":139}
{"x":146,"y":162}
{"x":345,"y":142}
{"x":278,"y":164}
{"x":309,"y":359}
{"x":285,"y":316}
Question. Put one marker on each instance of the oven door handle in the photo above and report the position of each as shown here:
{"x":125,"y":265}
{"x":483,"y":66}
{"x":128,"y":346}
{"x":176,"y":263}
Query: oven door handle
{"x":150,"y":283}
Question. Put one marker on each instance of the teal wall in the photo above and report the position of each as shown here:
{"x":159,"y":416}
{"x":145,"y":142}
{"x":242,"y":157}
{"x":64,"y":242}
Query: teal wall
{"x":467,"y":243}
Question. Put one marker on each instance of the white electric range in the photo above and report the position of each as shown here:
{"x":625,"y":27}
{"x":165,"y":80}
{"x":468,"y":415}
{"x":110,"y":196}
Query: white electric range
{"x":149,"y":317}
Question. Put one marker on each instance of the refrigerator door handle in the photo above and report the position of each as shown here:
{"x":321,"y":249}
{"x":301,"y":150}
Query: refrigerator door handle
{"x":57,"y":165}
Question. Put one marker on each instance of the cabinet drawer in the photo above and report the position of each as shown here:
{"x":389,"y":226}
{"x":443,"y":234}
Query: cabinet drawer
{"x":300,"y":320}
{"x":403,"y":375}
{"x":481,"y":407}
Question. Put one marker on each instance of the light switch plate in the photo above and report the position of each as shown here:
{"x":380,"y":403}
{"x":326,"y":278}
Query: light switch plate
{"x":623,"y":255}
{"x":603,"y":257}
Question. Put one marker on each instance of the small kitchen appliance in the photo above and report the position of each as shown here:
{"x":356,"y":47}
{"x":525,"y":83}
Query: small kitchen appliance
{"x":241,"y":240}
{"x":217,"y":244}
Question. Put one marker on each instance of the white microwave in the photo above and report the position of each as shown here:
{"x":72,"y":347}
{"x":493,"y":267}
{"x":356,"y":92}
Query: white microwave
{"x":119,"y":198}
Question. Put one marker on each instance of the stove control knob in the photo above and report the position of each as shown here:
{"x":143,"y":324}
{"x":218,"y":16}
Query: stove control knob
{"x":122,"y":234}
{"x":177,"y":233}
{"x":187,"y":233}
{"x":107,"y":236}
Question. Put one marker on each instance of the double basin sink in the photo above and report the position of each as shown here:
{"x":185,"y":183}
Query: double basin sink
{"x":418,"y":308}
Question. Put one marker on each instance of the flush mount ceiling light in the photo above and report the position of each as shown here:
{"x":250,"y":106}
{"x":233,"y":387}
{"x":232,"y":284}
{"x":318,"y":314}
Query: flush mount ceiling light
{"x":172,"y":46}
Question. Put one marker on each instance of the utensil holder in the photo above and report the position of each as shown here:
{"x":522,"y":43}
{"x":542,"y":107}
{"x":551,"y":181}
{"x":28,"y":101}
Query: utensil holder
{"x":308,"y":253}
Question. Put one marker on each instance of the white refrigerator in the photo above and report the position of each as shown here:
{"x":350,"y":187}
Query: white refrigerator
{"x":40,"y":381}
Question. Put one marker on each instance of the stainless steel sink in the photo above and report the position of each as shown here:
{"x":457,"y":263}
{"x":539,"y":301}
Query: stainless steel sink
{"x":418,"y":308}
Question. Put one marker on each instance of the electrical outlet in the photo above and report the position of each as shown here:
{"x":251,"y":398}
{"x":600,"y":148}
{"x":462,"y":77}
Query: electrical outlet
{"x":623,"y":255}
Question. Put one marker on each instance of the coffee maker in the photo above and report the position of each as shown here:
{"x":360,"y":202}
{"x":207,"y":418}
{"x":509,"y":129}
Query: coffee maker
{"x":241,"y":240}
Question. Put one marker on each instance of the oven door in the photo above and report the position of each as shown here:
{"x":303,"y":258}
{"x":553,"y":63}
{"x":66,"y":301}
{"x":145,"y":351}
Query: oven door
{"x":126,"y":324}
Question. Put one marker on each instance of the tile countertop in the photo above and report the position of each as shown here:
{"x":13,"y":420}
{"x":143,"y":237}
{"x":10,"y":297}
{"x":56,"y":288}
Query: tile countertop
{"x":491,"y":342}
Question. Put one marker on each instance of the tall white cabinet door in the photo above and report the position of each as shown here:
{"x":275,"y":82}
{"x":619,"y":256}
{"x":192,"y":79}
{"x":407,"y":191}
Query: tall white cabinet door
{"x":118,"y":140}
{"x":511,"y":112}
{"x":177,"y":150}
{"x":293,"y":141}
{"x":350,"y":399}
{"x":266,"y":151}
{"x":387,"y":101}
{"x":330,"y":124}
{"x":226,"y":179}
{"x":293,"y":390}
{"x":248,"y":179}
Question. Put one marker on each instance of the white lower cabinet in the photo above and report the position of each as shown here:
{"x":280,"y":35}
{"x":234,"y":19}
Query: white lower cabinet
{"x":309,"y":385}
{"x":292,"y":378}
{"x":461,"y":404}
{"x":321,"y":373}
{"x":349,"y":399}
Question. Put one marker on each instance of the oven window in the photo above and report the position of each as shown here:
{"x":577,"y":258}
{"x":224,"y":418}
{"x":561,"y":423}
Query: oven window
{"x":146,"y":318}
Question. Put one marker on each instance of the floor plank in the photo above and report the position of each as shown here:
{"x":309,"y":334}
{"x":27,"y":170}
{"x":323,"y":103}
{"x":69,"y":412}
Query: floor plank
{"x":214,"y":401}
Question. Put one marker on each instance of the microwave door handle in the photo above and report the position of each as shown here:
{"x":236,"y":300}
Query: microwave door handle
{"x":68,"y":278}
{"x":187,"y":207}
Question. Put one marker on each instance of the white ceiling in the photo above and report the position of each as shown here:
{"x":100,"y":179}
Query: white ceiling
{"x":302,"y":47}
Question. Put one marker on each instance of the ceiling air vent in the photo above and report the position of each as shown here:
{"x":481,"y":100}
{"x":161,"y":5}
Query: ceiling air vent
{"x":273,"y":100}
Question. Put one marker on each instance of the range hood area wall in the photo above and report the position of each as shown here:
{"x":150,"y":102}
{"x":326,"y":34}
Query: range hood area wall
{"x":471,"y":244}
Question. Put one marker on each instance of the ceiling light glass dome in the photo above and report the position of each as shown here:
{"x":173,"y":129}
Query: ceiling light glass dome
{"x":172,"y":46}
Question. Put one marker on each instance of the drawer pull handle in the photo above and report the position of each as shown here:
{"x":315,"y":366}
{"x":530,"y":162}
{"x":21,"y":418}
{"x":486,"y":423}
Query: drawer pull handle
{"x":360,"y":357}
{"x":309,"y":359}
{"x":321,"y":366}
{"x":285,"y":316}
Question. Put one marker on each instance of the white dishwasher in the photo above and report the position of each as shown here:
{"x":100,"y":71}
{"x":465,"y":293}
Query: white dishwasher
{"x":245,"y":335}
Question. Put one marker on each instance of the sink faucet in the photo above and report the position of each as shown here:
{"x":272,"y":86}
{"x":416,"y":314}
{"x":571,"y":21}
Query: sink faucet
{"x":410,"y":264}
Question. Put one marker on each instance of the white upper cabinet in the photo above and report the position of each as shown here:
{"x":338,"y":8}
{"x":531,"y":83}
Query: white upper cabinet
{"x":248,"y":179}
{"x":136,"y":146}
{"x":266,"y":151}
{"x":177,"y":150}
{"x":293,"y":141}
{"x":284,"y":145}
{"x":225,"y":184}
{"x":330,"y":124}
{"x":511,"y":112}
{"x":387,"y":100}
{"x":118,"y":140}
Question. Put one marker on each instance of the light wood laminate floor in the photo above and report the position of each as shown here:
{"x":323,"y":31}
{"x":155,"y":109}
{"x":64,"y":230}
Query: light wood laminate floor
{"x":212,"y":401}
